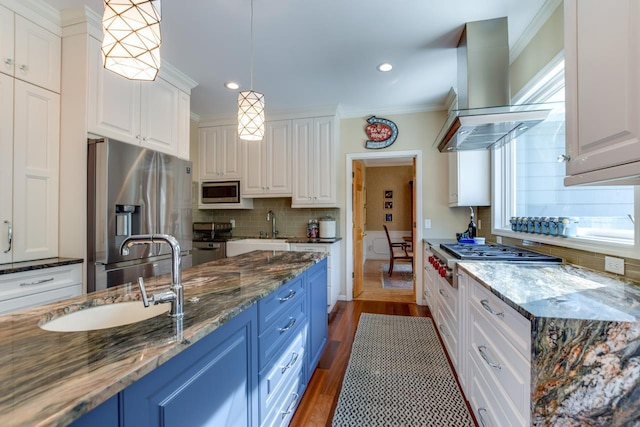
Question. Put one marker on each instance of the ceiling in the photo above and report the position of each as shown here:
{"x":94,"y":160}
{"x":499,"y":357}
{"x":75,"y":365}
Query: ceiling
{"x":316,"y":53}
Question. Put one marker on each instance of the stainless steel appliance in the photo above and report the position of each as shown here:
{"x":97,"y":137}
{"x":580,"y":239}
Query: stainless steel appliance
{"x":132,"y":190}
{"x":444,"y":256}
{"x":212,"y":193}
{"x":209,"y":241}
{"x":483,"y":118}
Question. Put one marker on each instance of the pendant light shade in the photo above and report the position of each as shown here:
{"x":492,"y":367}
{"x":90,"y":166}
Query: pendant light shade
{"x":251,"y":107}
{"x":131,"y":41}
{"x":250,"y":115}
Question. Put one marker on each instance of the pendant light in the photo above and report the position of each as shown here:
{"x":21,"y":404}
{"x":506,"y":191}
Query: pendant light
{"x":251,"y":107}
{"x":131,"y":40}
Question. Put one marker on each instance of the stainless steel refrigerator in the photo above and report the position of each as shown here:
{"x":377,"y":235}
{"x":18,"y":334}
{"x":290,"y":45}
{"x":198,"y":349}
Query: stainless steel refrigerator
{"x":133,"y":190}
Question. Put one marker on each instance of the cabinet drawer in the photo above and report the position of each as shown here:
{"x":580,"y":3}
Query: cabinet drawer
{"x":515,"y":327}
{"x":500,"y":362}
{"x":490,"y":406}
{"x":280,"y":332}
{"x":40,"y":298}
{"x":316,"y":247}
{"x":286,"y":403}
{"x":277,"y":375}
{"x":449,"y":333}
{"x":447,"y":298}
{"x":35,"y":281}
{"x":270,"y":308}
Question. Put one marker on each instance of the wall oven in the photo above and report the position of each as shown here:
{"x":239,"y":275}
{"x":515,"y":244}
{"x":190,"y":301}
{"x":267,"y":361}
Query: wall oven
{"x":215,"y":192}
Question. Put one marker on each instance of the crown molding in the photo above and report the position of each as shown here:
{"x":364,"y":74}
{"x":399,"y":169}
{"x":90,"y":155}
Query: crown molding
{"x":38,"y":12}
{"x":532,"y":29}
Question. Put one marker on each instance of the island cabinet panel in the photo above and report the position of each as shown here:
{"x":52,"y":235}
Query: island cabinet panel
{"x":318,"y":322}
{"x":105,"y":415}
{"x":251,"y":371}
{"x":212,"y":384}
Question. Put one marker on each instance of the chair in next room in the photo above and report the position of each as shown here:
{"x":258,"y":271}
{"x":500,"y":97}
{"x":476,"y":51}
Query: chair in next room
{"x":398,"y":251}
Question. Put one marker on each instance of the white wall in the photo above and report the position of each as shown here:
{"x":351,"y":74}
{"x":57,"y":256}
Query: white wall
{"x":416,"y":132}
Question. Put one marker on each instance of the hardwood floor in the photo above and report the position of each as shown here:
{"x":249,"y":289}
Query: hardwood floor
{"x":372,"y":286}
{"x":321,"y":397}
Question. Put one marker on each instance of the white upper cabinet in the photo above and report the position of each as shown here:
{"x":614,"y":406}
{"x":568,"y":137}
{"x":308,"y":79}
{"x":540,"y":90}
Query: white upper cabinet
{"x":6,"y":167}
{"x":6,"y":41}
{"x":29,"y":52}
{"x":159,"y":118}
{"x":154,"y":114}
{"x":266,"y":164}
{"x":35,"y":183}
{"x":219,"y":153}
{"x":602,"y":53}
{"x":469,"y":179}
{"x":314,"y":162}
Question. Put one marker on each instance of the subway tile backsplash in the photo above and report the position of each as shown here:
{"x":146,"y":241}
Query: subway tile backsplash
{"x":250,"y":222}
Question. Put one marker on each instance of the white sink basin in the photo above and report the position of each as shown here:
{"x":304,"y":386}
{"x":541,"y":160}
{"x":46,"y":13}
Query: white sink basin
{"x":237,"y":247}
{"x":105,"y":316}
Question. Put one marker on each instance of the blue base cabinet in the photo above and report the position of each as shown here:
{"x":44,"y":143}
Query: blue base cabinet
{"x":210,"y":385}
{"x":251,"y":371}
{"x":318,"y":321}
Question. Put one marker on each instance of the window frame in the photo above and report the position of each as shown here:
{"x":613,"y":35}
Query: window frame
{"x":503,"y":188}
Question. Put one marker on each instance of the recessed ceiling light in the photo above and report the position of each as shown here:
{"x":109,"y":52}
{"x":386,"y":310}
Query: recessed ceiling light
{"x":232,"y":85}
{"x":384,"y":67}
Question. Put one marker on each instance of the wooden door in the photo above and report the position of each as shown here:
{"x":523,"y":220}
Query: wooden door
{"x":413,"y":224}
{"x":358,"y":228}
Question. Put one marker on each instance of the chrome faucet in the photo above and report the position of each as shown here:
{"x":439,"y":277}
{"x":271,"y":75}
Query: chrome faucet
{"x":176,"y":295}
{"x":271,"y":216}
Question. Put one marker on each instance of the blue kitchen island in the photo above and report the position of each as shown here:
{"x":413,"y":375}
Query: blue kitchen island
{"x":255,"y":326}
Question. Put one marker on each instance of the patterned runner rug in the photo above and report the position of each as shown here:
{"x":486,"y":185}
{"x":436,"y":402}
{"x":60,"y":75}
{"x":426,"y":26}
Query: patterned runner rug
{"x":398,"y":375}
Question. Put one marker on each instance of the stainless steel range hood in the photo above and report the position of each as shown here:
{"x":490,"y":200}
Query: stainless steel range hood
{"x":483,"y":118}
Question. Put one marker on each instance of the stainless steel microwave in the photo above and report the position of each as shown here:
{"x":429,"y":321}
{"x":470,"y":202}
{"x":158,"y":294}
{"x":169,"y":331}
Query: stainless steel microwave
{"x":212,"y":192}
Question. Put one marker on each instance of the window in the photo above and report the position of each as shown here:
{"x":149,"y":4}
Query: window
{"x":529,"y":182}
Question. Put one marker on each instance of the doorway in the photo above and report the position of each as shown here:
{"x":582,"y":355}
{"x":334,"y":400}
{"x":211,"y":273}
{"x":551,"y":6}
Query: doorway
{"x":364,"y":279}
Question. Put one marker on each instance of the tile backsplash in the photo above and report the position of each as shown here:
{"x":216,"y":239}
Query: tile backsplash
{"x":290,"y":222}
{"x":592,"y":260}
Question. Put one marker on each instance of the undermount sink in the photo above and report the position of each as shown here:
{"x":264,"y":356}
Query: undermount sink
{"x":237,"y":247}
{"x":105,"y":316}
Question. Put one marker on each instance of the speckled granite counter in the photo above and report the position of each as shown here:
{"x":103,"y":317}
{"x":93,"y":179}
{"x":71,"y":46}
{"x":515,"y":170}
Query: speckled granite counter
{"x":585,"y":340}
{"x":50,"y":379}
{"x":17,"y":267}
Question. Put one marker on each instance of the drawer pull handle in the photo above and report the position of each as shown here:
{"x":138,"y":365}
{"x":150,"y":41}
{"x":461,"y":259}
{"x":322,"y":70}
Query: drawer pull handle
{"x":442,"y":329}
{"x":483,"y":423}
{"x":292,"y":322}
{"x":288,"y":297}
{"x":292,"y":362}
{"x":482,"y":349}
{"x":294,"y":401}
{"x":443,"y":293}
{"x":485,"y":304}
{"x":9,"y":235}
{"x":37,"y":282}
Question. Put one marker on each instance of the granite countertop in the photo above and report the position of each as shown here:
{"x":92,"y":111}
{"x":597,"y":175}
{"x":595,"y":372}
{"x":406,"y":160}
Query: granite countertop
{"x":51,"y":378}
{"x":559,"y":291}
{"x":17,"y":267}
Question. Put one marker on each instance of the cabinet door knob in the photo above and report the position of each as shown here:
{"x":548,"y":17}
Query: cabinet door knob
{"x":8,"y":61}
{"x":563,"y":158}
{"x":24,"y":68}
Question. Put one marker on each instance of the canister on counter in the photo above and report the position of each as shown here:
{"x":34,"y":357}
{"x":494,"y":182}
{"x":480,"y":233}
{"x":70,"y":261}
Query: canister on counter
{"x":553,"y":226}
{"x":544,"y":225}
{"x":312,"y":229}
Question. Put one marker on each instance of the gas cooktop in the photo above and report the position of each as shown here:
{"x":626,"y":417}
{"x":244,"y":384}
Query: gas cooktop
{"x":495,"y":252}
